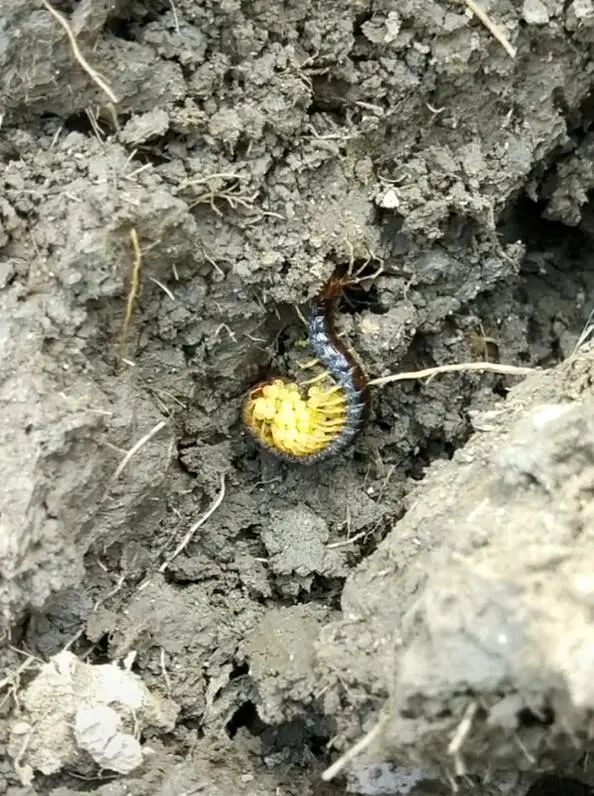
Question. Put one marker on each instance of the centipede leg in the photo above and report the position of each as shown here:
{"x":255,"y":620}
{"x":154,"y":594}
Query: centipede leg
{"x":358,"y":277}
{"x":316,"y":379}
{"x":376,"y":274}
{"x":309,"y":364}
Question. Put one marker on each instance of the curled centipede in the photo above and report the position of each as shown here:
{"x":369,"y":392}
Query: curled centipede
{"x":308,"y":423}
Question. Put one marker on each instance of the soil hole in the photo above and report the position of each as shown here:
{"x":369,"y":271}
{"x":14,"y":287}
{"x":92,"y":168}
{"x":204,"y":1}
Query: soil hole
{"x":524,"y":220}
{"x":363,"y":295}
{"x":558,"y":786}
{"x":329,"y":96}
{"x":527,"y":718}
{"x":245,"y":716}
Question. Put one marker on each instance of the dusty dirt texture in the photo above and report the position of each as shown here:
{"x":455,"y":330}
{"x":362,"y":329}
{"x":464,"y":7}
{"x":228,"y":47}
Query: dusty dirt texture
{"x":473,"y":619}
{"x":254,"y":147}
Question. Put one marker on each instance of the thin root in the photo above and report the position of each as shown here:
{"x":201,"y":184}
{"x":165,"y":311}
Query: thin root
{"x":164,"y":671}
{"x":493,"y":29}
{"x":175,"y":17}
{"x":361,"y":745}
{"x":12,"y":678}
{"x":350,"y":540}
{"x":463,"y":729}
{"x":163,"y":287}
{"x":316,"y":379}
{"x":134,"y":290}
{"x":308,"y":365}
{"x":355,"y":278}
{"x":135,"y":448}
{"x":489,"y":367}
{"x":585,"y":335}
{"x":188,"y":537}
{"x":96,"y":78}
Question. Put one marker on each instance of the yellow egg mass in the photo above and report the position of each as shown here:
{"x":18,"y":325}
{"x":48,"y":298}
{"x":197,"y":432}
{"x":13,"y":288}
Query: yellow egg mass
{"x":292,"y":421}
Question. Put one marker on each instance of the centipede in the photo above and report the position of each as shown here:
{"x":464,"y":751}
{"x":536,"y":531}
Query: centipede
{"x":313,"y":421}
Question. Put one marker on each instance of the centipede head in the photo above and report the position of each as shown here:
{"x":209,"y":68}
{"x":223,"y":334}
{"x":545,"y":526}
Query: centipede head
{"x":293,"y":422}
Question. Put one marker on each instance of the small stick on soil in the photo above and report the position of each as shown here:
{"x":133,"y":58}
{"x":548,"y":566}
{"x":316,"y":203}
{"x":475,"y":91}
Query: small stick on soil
{"x":175,"y":18}
{"x":14,"y":678}
{"x":529,"y":757}
{"x":460,"y":736}
{"x":97,"y":79}
{"x":217,"y":268}
{"x":451,"y":780}
{"x":163,"y":287}
{"x":353,"y":752}
{"x":229,"y":331}
{"x":495,"y":31}
{"x":585,"y":335}
{"x":350,"y":540}
{"x":134,"y":290}
{"x":457,"y":367}
{"x":188,"y":537}
{"x":164,"y":671}
{"x":463,"y":728}
{"x":135,"y":448}
{"x":11,"y":678}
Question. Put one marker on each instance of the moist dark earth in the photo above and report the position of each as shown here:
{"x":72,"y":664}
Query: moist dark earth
{"x":181,"y":613}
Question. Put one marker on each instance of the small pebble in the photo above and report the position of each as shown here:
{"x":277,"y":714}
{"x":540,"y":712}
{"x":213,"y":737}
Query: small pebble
{"x":535,"y":12}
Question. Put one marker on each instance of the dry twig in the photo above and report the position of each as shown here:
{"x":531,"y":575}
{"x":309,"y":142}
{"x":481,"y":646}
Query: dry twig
{"x":14,"y":678}
{"x":495,"y":31}
{"x":233,"y":194}
{"x":135,"y":448}
{"x":463,"y":728}
{"x":350,"y":540}
{"x":585,"y":335}
{"x":164,"y":671}
{"x":163,"y":287}
{"x":95,"y":77}
{"x":134,"y":290}
{"x":460,"y":736}
{"x":457,"y":367}
{"x":188,"y":537}
{"x":175,"y":17}
{"x":361,"y":745}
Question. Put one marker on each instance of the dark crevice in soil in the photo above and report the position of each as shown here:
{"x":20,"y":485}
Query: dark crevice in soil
{"x":325,"y":591}
{"x":579,"y":122}
{"x":154,"y":153}
{"x":551,"y":785}
{"x":329,"y":96}
{"x":529,"y":718}
{"x":363,"y":295}
{"x":523,"y":220}
{"x":81,"y":122}
{"x":435,"y":449}
{"x":245,"y":716}
{"x":99,"y":652}
{"x":193,"y":723}
{"x":311,"y":733}
{"x":79,"y":782}
{"x":123,"y":28}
